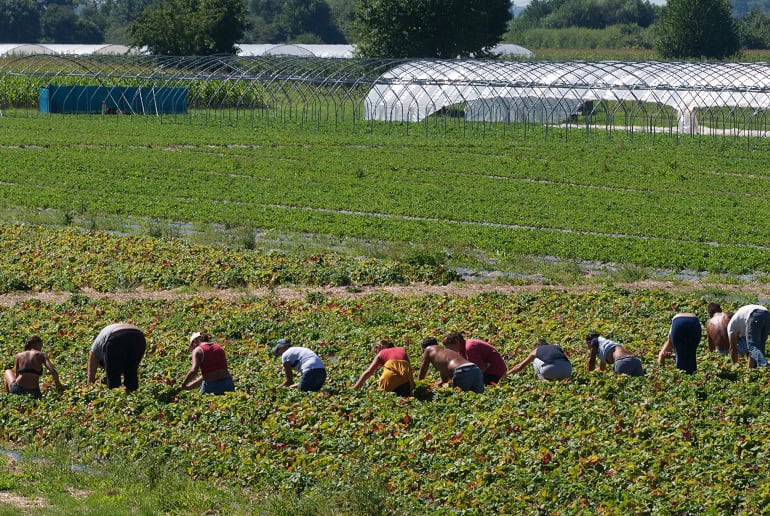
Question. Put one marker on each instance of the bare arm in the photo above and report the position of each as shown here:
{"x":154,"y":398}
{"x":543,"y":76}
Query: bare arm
{"x":591,"y":362}
{"x":424,"y":365}
{"x":54,"y":373}
{"x":188,"y":382}
{"x":521,"y":365}
{"x":366,"y":374}
{"x":709,"y":340}
{"x":289,"y":375}
{"x":734,"y":347}
{"x":665,"y":351}
{"x":93,"y":365}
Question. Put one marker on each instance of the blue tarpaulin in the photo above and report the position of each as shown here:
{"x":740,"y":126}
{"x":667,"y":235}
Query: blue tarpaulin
{"x":116,"y":99}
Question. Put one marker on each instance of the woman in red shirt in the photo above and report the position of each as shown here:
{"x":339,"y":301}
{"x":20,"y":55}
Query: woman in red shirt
{"x":396,"y":370}
{"x":208,"y":358}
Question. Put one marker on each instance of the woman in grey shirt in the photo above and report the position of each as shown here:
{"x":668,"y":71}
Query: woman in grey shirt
{"x":119,"y":348}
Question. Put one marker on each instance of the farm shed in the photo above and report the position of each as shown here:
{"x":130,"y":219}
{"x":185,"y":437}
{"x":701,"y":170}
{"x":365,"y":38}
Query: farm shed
{"x":559,"y":91}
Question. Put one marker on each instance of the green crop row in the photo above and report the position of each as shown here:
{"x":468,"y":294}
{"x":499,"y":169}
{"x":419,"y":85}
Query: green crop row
{"x":652,"y":203}
{"x":663,"y":443}
{"x":18,"y":91}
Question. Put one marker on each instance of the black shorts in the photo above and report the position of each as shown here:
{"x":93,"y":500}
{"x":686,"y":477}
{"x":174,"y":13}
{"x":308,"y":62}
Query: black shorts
{"x":123,"y":352}
{"x":18,"y":389}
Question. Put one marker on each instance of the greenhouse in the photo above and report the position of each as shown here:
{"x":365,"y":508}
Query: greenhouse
{"x":26,"y":49}
{"x":432,"y":95}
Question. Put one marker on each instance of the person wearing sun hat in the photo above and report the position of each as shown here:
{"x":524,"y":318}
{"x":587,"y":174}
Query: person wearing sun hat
{"x":302,"y":360}
{"x":209,"y":359}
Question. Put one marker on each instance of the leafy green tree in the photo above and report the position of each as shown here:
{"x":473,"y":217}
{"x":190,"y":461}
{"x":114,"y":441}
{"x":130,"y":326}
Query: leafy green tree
{"x":265,"y":9}
{"x":190,"y":27}
{"x":114,"y":16}
{"x":303,"y":17}
{"x":755,"y":30}
{"x":343,"y":14}
{"x":430,"y":28}
{"x":60,"y":24}
{"x":697,"y":29}
{"x":741,"y":8}
{"x":279,"y":21}
{"x":19,"y":21}
{"x":592,"y":14}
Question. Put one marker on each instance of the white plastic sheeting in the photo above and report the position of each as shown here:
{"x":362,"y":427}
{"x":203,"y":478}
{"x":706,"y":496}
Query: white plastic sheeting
{"x":414,"y":90}
{"x":23,"y":49}
{"x":347,"y":51}
{"x":244,"y":50}
{"x":27,"y":49}
{"x":511,"y":50}
{"x":253,"y":50}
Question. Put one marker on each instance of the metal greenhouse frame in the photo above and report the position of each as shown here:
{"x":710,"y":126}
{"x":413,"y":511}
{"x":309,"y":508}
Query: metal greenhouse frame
{"x":730,"y":99}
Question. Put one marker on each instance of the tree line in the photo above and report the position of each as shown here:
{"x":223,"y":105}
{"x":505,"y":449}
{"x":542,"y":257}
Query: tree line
{"x":394,"y":28}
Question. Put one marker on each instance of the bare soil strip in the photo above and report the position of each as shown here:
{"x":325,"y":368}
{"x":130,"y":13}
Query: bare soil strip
{"x":466,"y":289}
{"x":22,"y":503}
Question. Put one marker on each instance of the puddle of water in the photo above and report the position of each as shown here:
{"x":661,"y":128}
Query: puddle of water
{"x":16,"y":457}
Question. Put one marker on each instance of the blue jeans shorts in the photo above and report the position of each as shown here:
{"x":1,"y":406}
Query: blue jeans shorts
{"x":218,"y":386}
{"x":312,"y":380}
{"x":469,"y":378}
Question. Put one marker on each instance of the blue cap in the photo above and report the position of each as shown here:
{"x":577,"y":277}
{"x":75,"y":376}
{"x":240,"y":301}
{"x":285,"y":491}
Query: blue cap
{"x":281,"y":343}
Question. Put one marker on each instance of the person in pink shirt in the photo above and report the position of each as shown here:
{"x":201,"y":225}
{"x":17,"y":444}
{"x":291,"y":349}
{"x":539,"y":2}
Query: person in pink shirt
{"x":396,"y":370}
{"x":480,"y":353}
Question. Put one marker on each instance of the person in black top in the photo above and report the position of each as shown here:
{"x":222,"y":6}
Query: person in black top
{"x":24,"y":378}
{"x":549,"y":361}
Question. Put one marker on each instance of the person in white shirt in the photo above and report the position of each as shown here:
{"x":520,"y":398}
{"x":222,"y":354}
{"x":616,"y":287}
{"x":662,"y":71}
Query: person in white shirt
{"x":302,"y":360}
{"x":752,"y":322}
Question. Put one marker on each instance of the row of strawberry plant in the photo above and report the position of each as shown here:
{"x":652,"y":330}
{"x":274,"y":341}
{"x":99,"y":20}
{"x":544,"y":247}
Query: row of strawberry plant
{"x":36,"y":258}
{"x":599,"y":442}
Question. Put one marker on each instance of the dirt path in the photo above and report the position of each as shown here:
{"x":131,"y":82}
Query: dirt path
{"x":760,"y":290}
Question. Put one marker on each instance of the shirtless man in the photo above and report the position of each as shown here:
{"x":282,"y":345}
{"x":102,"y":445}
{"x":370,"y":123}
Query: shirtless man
{"x":716,"y":330}
{"x":610,"y":352}
{"x":464,"y":374}
{"x":480,"y":353}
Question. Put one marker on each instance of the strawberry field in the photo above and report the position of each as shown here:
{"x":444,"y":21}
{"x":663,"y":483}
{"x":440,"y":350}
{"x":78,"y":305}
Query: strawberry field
{"x":666,"y":442}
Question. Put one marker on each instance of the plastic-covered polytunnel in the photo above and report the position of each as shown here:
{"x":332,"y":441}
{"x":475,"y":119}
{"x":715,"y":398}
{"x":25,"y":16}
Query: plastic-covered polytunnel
{"x":690,"y":98}
{"x":664,"y":94}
